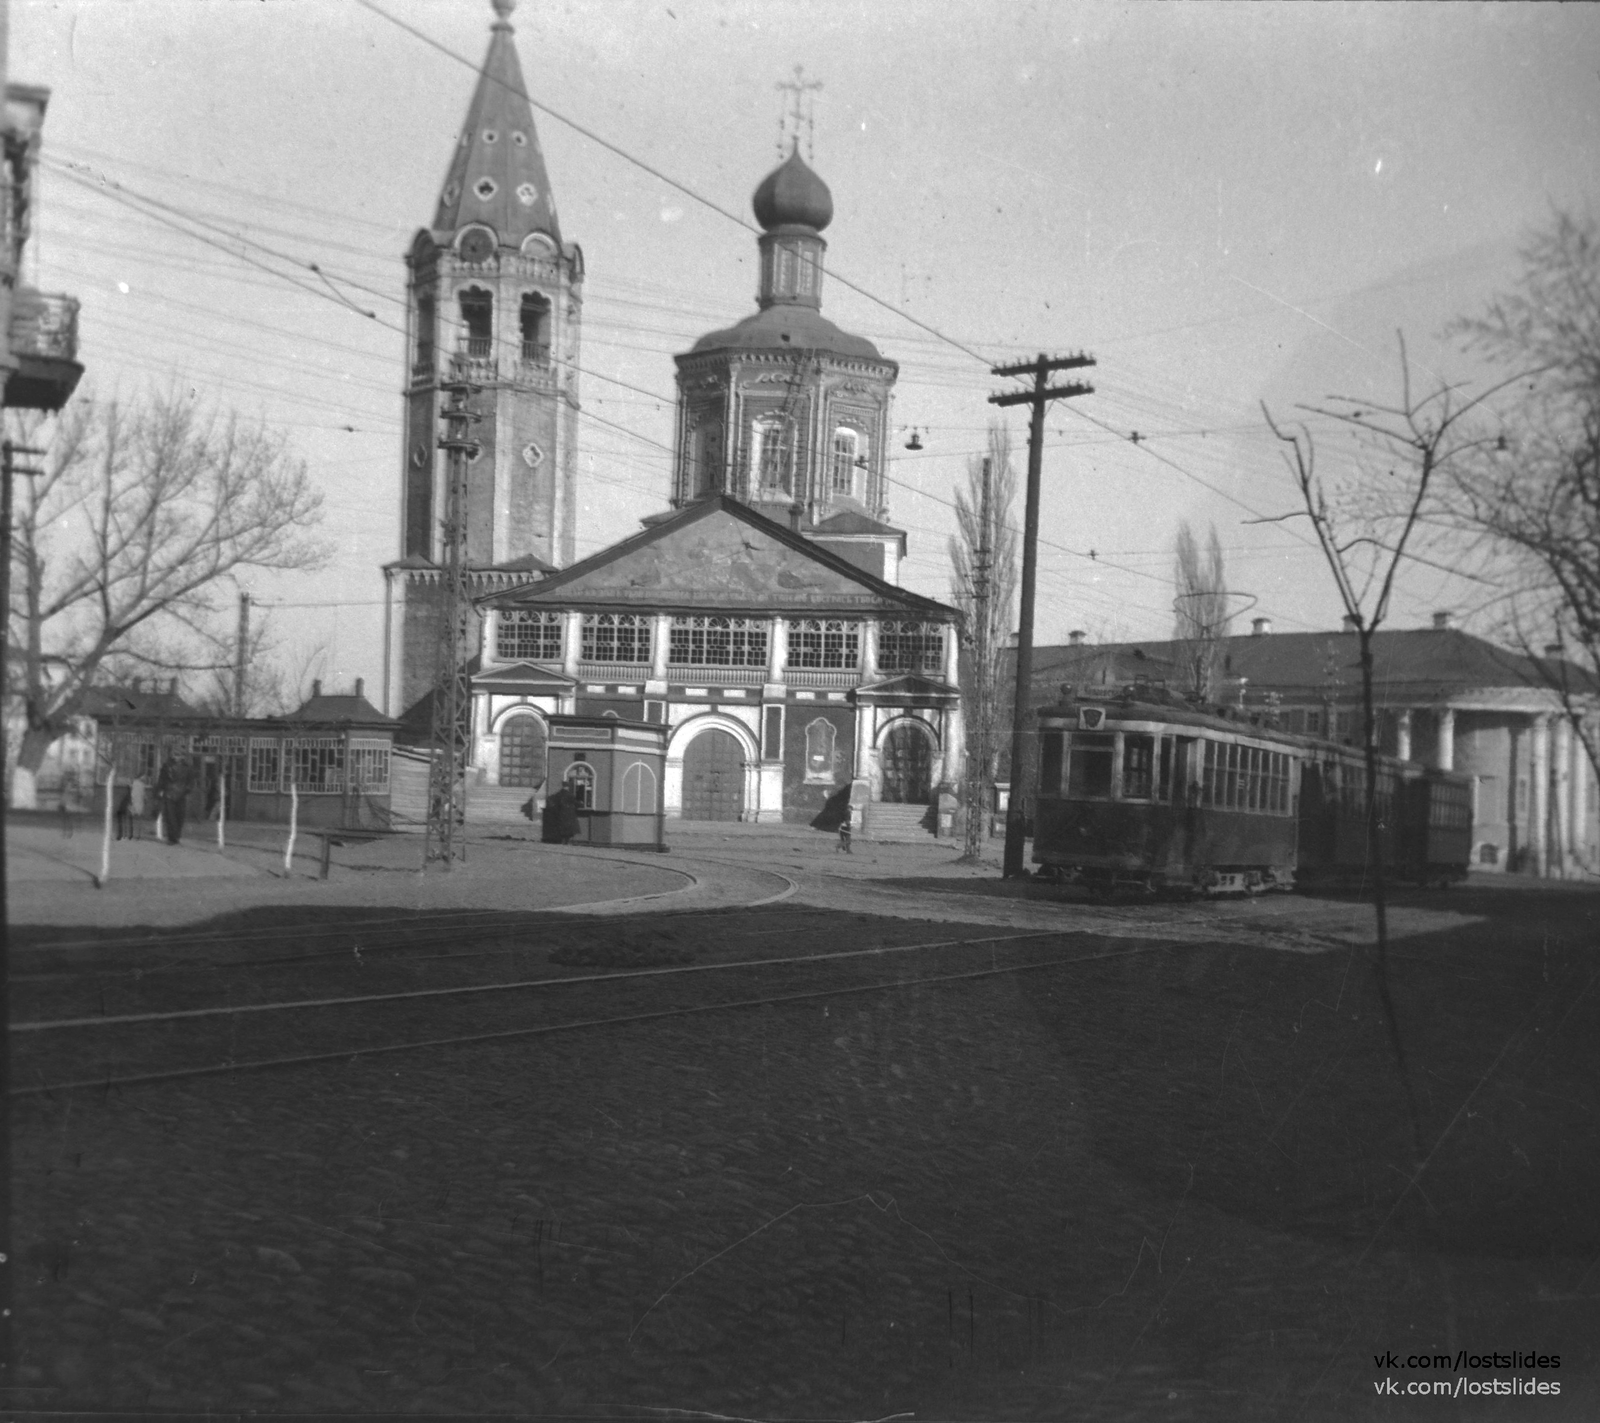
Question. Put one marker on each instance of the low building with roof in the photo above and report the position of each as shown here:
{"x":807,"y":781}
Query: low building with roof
{"x":330,"y":761}
{"x":1444,"y":697}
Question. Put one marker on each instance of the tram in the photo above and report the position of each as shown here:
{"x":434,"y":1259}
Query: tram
{"x":1152,"y":797}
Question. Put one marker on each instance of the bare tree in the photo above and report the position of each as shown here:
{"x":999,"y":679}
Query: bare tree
{"x":1363,"y":529}
{"x":122,"y":544}
{"x":983,"y":561}
{"x":1534,"y":493}
{"x":1200,"y":607}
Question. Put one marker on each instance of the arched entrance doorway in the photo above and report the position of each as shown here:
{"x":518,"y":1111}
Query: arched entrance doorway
{"x":907,"y":761}
{"x":713,"y":777}
{"x":522,"y":752}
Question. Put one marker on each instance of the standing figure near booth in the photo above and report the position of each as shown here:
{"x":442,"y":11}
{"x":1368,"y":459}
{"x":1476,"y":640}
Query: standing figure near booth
{"x":172,"y":794}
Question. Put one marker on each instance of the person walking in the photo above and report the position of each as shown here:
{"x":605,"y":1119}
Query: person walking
{"x":125,"y":813}
{"x":137,"y":792}
{"x":172,"y":792}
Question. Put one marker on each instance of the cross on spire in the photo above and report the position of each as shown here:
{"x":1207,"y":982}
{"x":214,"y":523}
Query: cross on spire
{"x":799,"y":112}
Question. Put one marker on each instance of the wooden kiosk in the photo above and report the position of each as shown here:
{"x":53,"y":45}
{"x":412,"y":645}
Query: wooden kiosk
{"x":616,"y":771}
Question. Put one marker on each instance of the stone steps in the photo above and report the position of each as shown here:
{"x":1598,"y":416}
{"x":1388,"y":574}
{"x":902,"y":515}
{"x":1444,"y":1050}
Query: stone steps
{"x":887,"y":821}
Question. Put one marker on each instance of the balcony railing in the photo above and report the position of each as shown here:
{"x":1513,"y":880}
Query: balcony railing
{"x":613,"y":671}
{"x":44,"y":325}
{"x":718,"y":676}
{"x":536,"y":353}
{"x":478,"y":347}
{"x":836,"y":677}
{"x":44,"y":344}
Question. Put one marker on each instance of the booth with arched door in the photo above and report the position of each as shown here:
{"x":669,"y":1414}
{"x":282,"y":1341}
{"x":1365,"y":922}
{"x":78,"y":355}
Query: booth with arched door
{"x":615,"y":772}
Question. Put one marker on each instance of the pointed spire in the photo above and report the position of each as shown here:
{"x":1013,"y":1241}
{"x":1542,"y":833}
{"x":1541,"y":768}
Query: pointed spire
{"x":497,"y":175}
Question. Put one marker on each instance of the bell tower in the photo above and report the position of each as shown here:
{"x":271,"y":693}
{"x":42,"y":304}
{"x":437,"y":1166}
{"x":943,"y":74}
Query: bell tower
{"x":494,"y":297}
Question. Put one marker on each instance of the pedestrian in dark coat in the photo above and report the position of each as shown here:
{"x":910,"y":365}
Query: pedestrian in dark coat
{"x":172,"y":793}
{"x":125,"y":813}
{"x":560,"y":817}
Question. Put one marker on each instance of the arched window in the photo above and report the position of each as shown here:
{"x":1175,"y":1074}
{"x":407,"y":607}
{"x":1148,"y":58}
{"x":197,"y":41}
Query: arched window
{"x":639,"y":789}
{"x":846,"y":450}
{"x":477,"y":315}
{"x":426,"y":321}
{"x":821,"y":735}
{"x":580,"y":781}
{"x":535,"y":319}
{"x":705,"y":456}
{"x":770,"y":455}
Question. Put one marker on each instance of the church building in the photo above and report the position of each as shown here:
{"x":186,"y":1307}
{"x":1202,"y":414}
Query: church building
{"x":760,"y":617}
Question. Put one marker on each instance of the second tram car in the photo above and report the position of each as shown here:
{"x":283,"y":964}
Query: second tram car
{"x":1146,"y":796}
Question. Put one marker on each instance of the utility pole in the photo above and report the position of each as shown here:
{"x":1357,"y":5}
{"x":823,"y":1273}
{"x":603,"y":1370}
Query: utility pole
{"x":240,"y":653}
{"x":445,"y":838}
{"x":978,"y":743}
{"x":9,"y":469}
{"x":1037,"y":398}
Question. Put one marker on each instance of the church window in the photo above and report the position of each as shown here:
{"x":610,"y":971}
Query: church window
{"x":519,"y":138}
{"x":808,"y":273}
{"x":911,"y":647}
{"x":535,"y":319}
{"x":490,"y":136}
{"x":770,"y":454}
{"x":705,"y":457}
{"x":452,"y":190}
{"x":426,"y":321}
{"x":532,"y":455}
{"x":527,"y":194}
{"x":824,"y":643}
{"x":786,"y":271}
{"x":846,"y":450}
{"x":485,"y":188}
{"x":528,"y":636}
{"x":477,"y":315}
{"x":717,"y":642}
{"x":616,"y":637}
{"x":820,"y":737}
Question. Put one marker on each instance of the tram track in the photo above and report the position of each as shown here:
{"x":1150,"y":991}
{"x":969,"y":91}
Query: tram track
{"x":159,"y":1047}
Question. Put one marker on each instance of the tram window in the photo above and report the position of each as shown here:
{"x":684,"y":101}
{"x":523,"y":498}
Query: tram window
{"x":1089,"y":766}
{"x":1050,"y":764}
{"x":1183,"y":760}
{"x":1138,"y":766}
{"x":1164,"y":781}
{"x":1208,"y":775}
{"x":1230,"y":795}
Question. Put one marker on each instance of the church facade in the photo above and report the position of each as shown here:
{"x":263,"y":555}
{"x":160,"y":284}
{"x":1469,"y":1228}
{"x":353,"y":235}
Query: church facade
{"x":760,"y":617}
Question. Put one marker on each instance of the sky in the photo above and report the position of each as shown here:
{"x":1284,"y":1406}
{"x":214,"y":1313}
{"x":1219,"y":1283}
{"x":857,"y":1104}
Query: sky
{"x":1224,"y":205}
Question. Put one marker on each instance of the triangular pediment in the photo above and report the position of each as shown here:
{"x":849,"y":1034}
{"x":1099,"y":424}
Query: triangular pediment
{"x":907,"y":688}
{"x":527,"y":678}
{"x":720,"y":556}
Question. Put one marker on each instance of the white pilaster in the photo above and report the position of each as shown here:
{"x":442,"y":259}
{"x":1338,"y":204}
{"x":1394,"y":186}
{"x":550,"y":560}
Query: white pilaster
{"x":952,"y":657}
{"x":869,"y":650}
{"x":1561,"y":782}
{"x":660,"y":635}
{"x":777,"y":648}
{"x":1539,"y":807}
{"x":1445,"y":755}
{"x":571,"y":642}
{"x":1402,"y":733}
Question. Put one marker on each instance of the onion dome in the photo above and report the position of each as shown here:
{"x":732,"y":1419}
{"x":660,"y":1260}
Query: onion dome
{"x":792,"y":195}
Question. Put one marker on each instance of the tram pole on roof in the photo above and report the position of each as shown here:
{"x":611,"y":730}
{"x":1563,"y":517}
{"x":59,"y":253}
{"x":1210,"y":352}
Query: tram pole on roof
{"x":1037,"y":398}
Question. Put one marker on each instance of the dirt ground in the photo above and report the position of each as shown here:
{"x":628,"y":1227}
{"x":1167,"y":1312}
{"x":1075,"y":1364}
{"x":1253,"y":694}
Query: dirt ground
{"x":1166,"y":1179}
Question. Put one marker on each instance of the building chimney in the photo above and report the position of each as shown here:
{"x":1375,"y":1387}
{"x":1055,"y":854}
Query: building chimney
{"x":1442,"y":620}
{"x":316,"y":688}
{"x":361,"y":686}
{"x":1076,"y":637}
{"x":1349,"y":622}
{"x":1260,"y":627}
